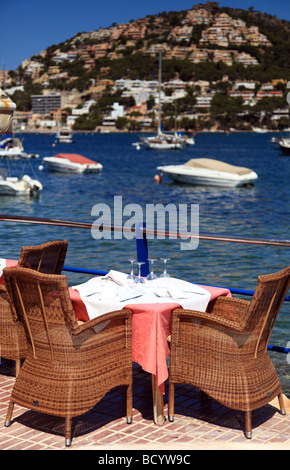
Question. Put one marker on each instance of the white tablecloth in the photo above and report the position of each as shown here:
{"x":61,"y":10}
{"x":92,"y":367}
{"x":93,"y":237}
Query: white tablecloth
{"x":112,"y":292}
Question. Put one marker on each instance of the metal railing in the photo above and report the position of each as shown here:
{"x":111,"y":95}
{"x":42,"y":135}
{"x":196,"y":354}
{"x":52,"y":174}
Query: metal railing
{"x":142,"y":247}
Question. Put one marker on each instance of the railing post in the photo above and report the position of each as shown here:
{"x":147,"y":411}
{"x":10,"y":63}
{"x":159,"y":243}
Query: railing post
{"x":142,"y":248}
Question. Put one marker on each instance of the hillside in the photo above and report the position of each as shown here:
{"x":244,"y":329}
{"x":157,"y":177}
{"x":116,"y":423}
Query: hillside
{"x":205,"y":43}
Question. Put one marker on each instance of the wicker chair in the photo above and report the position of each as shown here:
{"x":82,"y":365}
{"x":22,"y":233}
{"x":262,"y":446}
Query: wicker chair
{"x":69,"y":367}
{"x":48,"y":258}
{"x":224,"y":352}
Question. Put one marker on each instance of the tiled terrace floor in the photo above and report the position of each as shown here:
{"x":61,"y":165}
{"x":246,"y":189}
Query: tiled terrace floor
{"x":199,"y":423}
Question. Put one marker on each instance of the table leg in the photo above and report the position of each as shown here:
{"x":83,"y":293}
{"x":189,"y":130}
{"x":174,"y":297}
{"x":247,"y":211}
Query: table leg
{"x":158,"y":413}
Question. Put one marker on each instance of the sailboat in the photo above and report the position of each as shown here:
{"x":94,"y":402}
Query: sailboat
{"x":163,"y":141}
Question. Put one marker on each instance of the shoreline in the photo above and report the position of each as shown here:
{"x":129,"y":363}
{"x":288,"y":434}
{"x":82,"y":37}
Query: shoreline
{"x":151,"y":131}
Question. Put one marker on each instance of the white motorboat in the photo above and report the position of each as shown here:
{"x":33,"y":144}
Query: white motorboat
{"x":284,"y":145}
{"x":64,"y":136}
{"x":12,"y":147}
{"x":13,"y":186}
{"x":72,"y":163}
{"x":210,"y":172}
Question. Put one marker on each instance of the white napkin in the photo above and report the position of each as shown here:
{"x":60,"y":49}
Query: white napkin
{"x":117,"y":277}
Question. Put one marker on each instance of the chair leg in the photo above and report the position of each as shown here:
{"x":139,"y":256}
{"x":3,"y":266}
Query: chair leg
{"x":129,"y":404}
{"x":17,"y":366}
{"x":281,"y":404}
{"x":171,"y":402}
{"x":9,"y":414}
{"x":248,"y":424}
{"x":67,"y":432}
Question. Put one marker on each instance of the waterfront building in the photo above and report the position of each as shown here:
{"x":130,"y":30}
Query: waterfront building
{"x":44,"y":104}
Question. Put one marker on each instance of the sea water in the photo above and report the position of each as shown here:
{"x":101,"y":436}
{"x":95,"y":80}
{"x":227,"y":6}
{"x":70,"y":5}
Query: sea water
{"x":261,"y":211}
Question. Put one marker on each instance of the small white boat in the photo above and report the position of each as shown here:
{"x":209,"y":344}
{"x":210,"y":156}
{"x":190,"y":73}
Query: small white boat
{"x":72,"y":163}
{"x":210,"y":172}
{"x":64,"y":136}
{"x":163,"y":141}
{"x":12,"y":147}
{"x":260,"y":130}
{"x":189,"y":140}
{"x":13,"y":186}
{"x":284,"y":145}
{"x":275,"y":140}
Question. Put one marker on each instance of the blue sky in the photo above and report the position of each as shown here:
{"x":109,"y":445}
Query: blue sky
{"x":29,"y":26}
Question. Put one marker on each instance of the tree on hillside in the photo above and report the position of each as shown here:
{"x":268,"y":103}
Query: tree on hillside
{"x":223,"y":104}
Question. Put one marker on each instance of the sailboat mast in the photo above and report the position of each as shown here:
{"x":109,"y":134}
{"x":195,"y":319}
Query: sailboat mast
{"x":159,"y":92}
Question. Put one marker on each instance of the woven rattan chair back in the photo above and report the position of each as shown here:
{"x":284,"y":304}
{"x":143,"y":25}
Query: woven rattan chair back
{"x":267,"y":300}
{"x":46,"y":258}
{"x":223,"y":351}
{"x":69,"y":367}
{"x":41,"y":302}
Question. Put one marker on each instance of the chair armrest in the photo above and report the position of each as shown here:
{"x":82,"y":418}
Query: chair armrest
{"x":211,"y":318}
{"x":126,"y":313}
{"x":229,"y":308}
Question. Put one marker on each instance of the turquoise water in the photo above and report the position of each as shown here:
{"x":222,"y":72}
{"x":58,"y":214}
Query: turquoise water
{"x":261,"y":211}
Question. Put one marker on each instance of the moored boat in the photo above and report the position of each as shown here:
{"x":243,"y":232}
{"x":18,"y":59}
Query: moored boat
{"x":284,"y":145}
{"x":71,"y":163}
{"x":12,"y":147}
{"x":13,"y":186}
{"x":260,"y":130}
{"x":210,"y":172}
{"x":162,"y":140}
{"x":64,"y":136}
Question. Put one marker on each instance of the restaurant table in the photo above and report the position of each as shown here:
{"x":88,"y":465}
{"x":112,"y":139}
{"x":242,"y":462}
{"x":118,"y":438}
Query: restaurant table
{"x":151,"y":304}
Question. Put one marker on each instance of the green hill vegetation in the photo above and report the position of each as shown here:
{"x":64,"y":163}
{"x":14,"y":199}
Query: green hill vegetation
{"x":130,"y":52}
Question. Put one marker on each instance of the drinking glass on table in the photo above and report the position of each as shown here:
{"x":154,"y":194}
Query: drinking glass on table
{"x":151,"y":275}
{"x":132,"y":277}
{"x":139,"y":278}
{"x":165,"y":273}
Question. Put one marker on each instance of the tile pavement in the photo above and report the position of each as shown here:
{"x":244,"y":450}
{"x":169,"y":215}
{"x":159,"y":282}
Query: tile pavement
{"x":200,"y":423}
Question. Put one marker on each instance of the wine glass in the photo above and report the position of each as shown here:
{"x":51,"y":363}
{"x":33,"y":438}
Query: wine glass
{"x":139,"y":278}
{"x":165,"y":273}
{"x":151,"y":275}
{"x":131,"y":277}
